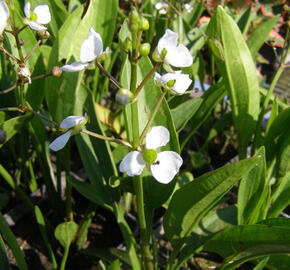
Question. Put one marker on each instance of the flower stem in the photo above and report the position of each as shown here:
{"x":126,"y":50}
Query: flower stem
{"x":152,"y":117}
{"x":31,"y":51}
{"x":64,"y":258}
{"x":112,"y":139}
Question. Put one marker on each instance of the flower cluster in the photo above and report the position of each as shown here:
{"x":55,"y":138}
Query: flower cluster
{"x":163,"y":165}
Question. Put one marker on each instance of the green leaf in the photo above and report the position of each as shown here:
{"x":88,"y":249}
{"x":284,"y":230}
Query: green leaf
{"x":3,"y":255}
{"x":14,"y":125}
{"x":193,"y":200}
{"x":147,"y":101}
{"x":240,"y":74}
{"x":283,"y":159}
{"x":115,"y":265}
{"x":282,"y":222}
{"x":65,"y":232}
{"x":260,"y":35}
{"x":244,"y":21}
{"x":12,"y":242}
{"x":209,"y":100}
{"x":280,"y":199}
{"x":249,"y":242}
{"x":182,"y":113}
{"x":254,"y":192}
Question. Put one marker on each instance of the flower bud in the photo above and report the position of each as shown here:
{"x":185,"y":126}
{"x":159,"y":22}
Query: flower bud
{"x":24,"y":74}
{"x":43,"y":34}
{"x":156,"y":56}
{"x":56,"y":71}
{"x":127,"y":44}
{"x":124,"y":96}
{"x":144,"y":49}
{"x":134,"y":21}
{"x":144,"y":24}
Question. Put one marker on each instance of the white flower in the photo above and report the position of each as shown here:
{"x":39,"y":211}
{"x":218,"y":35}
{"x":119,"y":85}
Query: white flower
{"x":74,"y":124}
{"x":39,"y":16}
{"x":168,"y":51}
{"x":164,"y":165}
{"x":161,"y":7}
{"x":188,"y":7}
{"x":176,"y":82}
{"x":24,"y":72}
{"x":91,"y":49}
{"x":4,"y":14}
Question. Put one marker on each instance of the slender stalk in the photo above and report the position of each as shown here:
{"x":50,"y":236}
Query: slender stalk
{"x":152,"y":117}
{"x":68,"y":189}
{"x":31,"y":51}
{"x":112,"y":139}
{"x":9,"y":54}
{"x":139,"y":88}
{"x":111,"y":78}
{"x":64,"y":258}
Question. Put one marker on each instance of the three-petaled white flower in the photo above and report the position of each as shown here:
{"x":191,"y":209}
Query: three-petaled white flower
{"x":188,"y":7}
{"x":176,"y":82}
{"x":24,"y":72}
{"x":4,"y":14}
{"x":161,"y":7}
{"x":170,"y":53}
{"x":39,"y":16}
{"x":74,"y":124}
{"x":163,"y":165}
{"x":91,"y":49}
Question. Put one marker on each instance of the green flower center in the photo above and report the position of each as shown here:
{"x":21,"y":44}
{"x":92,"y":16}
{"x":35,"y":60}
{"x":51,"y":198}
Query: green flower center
{"x":33,"y":16}
{"x":171,"y":83}
{"x":150,"y":156}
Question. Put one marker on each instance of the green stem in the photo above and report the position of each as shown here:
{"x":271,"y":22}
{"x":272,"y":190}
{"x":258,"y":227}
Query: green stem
{"x":152,"y":117}
{"x":68,"y":190}
{"x":64,"y":258}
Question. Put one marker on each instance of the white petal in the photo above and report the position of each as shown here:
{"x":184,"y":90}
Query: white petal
{"x":132,"y":164}
{"x":43,"y":14}
{"x":188,"y":7}
{"x":60,"y":141}
{"x":92,"y":47}
{"x":36,"y":26}
{"x":158,"y":79}
{"x":158,"y":136}
{"x":27,"y":11}
{"x":166,"y":166}
{"x":178,"y":56}
{"x":182,"y":82}
{"x":74,"y":67}
{"x":4,"y":14}
{"x":72,"y":121}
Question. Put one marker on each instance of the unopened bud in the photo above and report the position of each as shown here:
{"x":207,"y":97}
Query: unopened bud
{"x":127,"y":44}
{"x":124,"y":96}
{"x":134,"y":21}
{"x":144,"y":24}
{"x":43,"y":34}
{"x":21,"y":42}
{"x":56,"y":71}
{"x":144,"y":49}
{"x":156,"y":56}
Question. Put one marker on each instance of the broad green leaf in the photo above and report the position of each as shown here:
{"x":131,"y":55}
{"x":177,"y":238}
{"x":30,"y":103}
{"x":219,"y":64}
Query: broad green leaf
{"x":193,"y":200}
{"x":147,"y":101}
{"x":283,"y":160}
{"x":280,"y":199}
{"x":3,"y":255}
{"x":260,"y":35}
{"x":253,"y":195}
{"x":277,"y":129}
{"x":282,"y":222}
{"x":14,"y":125}
{"x":279,"y":262}
{"x":240,"y":75}
{"x":249,"y":242}
{"x":41,"y":225}
{"x":115,"y":265}
{"x":182,"y":113}
{"x":209,"y":100}
{"x":65,"y":232}
{"x":12,"y":242}
{"x":215,"y":221}
{"x":96,"y":195}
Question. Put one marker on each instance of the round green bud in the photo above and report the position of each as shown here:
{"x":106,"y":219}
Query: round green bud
{"x":134,"y":21}
{"x":124,"y":96}
{"x":171,"y":83}
{"x":144,"y":24}
{"x":33,"y":16}
{"x":127,"y":44}
{"x":144,"y":49}
{"x":150,"y":156}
